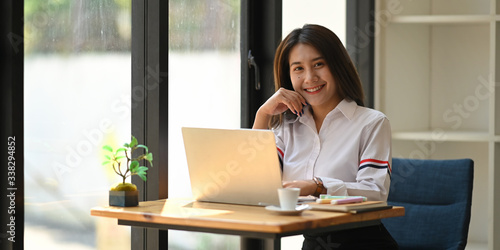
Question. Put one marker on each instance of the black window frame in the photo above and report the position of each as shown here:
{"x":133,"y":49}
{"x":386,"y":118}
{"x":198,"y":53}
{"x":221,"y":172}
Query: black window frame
{"x":261,"y":28}
{"x":149,"y":96}
{"x":12,"y":113}
{"x":360,"y":43}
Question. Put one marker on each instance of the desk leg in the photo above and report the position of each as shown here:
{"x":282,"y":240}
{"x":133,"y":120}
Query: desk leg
{"x":264,"y":244}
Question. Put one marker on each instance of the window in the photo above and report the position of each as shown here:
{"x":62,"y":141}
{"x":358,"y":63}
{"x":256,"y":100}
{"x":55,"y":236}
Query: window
{"x":77,"y":98}
{"x":331,"y":14}
{"x":204,"y":91}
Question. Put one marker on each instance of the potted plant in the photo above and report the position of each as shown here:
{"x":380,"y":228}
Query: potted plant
{"x":125,"y":161}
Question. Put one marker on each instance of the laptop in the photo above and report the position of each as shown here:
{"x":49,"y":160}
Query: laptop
{"x":238,"y":166}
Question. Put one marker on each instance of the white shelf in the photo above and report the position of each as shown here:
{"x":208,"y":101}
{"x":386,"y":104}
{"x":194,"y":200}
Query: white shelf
{"x":434,"y":62}
{"x":443,"y":19}
{"x":444,"y":136}
{"x":476,"y":246}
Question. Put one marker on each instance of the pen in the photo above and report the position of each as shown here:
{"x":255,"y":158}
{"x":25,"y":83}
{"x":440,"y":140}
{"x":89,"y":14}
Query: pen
{"x":347,"y":200}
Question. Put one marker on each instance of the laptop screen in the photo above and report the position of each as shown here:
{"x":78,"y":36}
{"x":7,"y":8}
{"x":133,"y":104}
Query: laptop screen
{"x":237,"y":166}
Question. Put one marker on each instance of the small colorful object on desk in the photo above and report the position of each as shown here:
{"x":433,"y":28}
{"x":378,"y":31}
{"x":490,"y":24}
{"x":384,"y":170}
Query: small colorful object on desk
{"x":330,"y":199}
{"x":347,"y":200}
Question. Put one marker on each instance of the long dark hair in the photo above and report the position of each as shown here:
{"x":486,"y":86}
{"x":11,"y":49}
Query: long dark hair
{"x":338,"y":61}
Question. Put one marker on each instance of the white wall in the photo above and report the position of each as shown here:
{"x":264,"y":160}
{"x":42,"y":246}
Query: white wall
{"x":329,"y":13}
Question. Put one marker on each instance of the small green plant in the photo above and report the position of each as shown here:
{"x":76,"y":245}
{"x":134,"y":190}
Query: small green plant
{"x":124,"y":156}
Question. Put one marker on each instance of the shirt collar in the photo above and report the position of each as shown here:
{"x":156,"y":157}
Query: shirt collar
{"x":346,"y":107}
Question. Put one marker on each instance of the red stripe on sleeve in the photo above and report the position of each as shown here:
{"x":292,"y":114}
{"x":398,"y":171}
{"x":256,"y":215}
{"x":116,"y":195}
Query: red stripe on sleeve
{"x":374,"y":160}
{"x":280,"y":152}
{"x":377,"y":161}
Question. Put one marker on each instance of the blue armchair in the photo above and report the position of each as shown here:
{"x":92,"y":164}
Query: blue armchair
{"x":437,"y":196}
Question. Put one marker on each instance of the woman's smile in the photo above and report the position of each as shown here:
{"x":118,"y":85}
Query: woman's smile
{"x":314,"y":90}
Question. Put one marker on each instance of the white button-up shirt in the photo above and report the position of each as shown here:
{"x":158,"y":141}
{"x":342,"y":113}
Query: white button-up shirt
{"x":351,"y":153}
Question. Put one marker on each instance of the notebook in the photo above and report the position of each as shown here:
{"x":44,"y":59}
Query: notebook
{"x":365,"y":206}
{"x":238,"y":166}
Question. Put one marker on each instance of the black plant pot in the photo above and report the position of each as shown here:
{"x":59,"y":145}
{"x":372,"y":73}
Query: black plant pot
{"x":124,"y":198}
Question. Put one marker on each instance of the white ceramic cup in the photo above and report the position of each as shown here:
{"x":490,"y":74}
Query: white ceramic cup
{"x":288,"y":198}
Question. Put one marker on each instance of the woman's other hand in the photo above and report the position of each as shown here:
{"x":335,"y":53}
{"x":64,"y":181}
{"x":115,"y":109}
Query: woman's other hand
{"x":307,"y":187}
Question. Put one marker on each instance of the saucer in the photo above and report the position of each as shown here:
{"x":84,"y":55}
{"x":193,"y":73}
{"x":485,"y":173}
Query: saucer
{"x":298,"y":210}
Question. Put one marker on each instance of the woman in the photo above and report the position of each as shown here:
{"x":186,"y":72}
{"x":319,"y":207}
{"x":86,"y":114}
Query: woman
{"x":327,"y":141}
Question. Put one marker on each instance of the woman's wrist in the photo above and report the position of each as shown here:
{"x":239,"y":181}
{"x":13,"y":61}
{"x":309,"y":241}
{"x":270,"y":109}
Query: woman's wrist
{"x":261,"y":120}
{"x":320,"y":188}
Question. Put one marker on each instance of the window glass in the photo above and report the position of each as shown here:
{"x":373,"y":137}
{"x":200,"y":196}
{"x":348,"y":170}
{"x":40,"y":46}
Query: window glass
{"x":204,"y":91}
{"x":331,"y":14}
{"x":77,"y":98}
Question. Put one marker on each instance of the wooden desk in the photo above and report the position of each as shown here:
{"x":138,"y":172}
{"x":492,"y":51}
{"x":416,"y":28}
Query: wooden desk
{"x":250,"y":222}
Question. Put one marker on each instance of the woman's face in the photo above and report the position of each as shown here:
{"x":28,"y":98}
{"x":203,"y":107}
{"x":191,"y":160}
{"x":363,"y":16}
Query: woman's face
{"x":312,"y":78}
